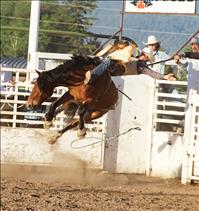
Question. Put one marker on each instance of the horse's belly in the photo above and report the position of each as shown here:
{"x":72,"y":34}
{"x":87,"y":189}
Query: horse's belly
{"x":94,"y":98}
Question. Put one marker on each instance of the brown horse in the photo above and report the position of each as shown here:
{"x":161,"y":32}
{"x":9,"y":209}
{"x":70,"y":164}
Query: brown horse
{"x":91,"y":102}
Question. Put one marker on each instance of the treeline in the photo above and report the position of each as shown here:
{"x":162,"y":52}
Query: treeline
{"x":63,"y":27}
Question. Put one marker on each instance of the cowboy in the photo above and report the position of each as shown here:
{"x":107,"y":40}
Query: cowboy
{"x":154,"y":44}
{"x":194,"y":54}
{"x":124,"y":56}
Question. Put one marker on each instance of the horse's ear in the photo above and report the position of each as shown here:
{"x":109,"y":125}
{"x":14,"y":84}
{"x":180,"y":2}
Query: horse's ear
{"x":38,"y":72}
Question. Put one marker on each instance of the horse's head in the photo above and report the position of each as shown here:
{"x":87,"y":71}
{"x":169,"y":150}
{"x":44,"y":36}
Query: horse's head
{"x":41,"y":91}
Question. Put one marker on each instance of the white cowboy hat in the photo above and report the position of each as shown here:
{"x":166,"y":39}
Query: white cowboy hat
{"x":195,"y":40}
{"x":122,"y":54}
{"x":151,"y":40}
{"x":149,"y":53}
{"x":105,"y":50}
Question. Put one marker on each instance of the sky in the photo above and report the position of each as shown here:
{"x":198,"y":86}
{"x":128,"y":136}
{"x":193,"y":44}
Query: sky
{"x":172,"y":30}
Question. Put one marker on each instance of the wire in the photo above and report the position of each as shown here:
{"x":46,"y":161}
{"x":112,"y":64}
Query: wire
{"x":63,"y":23}
{"x":100,"y":26}
{"x":81,"y":6}
{"x":66,"y":5}
{"x":103,"y":27}
{"x":52,"y":43}
{"x":159,"y":32}
{"x":45,"y":21}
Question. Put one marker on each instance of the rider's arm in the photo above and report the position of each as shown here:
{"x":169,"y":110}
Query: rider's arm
{"x":143,"y":69}
{"x":191,"y":55}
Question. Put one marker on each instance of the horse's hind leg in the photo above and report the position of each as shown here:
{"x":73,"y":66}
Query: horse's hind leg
{"x":86,"y":117}
{"x":82,"y":130}
{"x":89,"y":116}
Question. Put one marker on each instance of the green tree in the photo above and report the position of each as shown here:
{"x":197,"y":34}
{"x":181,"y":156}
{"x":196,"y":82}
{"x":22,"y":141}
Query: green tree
{"x":63,"y":27}
{"x":14,"y":14}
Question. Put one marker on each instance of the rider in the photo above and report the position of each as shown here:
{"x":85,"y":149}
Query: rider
{"x":124,"y":56}
{"x":193,"y":54}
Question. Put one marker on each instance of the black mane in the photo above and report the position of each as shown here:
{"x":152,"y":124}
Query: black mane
{"x":76,"y":61}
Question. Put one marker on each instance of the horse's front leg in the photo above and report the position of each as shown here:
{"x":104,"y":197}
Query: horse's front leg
{"x":51,"y":113}
{"x":81,"y":133}
{"x":53,"y":139}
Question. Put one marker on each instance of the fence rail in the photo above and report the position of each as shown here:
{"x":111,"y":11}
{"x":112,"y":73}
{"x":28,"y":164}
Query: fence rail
{"x":169,"y":105}
{"x":169,"y":108}
{"x":14,"y":95}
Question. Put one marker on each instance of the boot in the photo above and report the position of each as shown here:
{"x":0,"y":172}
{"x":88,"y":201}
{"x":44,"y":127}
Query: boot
{"x":87,"y":79}
{"x":123,"y":55}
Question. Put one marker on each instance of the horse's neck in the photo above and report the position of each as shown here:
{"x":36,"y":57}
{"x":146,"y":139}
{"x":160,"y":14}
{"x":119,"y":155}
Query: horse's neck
{"x":73,"y":78}
{"x":64,"y":75}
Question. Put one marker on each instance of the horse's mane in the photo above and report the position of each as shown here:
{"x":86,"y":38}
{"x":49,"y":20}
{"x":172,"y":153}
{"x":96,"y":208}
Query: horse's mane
{"x":76,"y":61}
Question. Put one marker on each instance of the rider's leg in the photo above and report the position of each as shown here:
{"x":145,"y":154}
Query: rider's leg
{"x":92,"y":76}
{"x":122,"y":55}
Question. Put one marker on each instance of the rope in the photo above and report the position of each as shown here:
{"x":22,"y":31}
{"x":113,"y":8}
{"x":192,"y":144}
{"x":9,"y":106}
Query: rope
{"x":106,"y":138}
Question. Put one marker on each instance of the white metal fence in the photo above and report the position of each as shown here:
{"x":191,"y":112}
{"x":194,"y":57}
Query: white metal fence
{"x":190,"y":171}
{"x":169,"y":104}
{"x":13,"y":99}
{"x":190,"y":167}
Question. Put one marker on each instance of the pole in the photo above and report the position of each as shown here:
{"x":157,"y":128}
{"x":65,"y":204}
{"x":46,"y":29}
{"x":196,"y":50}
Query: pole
{"x":32,"y":62}
{"x":117,"y":32}
{"x":122,"y":20}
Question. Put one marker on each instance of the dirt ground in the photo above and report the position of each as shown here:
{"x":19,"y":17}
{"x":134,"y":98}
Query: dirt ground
{"x":51,"y":189}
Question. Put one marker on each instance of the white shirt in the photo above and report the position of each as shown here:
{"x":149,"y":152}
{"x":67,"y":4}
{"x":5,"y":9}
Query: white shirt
{"x":160,"y":55}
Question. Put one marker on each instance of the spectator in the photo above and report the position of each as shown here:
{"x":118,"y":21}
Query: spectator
{"x":154,"y":44}
{"x":6,"y":77}
{"x":193,"y":54}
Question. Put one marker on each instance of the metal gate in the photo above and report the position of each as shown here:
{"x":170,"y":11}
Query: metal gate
{"x":190,"y":166}
{"x":190,"y":170}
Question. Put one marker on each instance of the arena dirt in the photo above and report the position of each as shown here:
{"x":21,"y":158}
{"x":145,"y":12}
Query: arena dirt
{"x":25,"y":187}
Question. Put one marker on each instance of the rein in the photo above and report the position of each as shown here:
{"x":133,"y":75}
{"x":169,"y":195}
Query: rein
{"x":124,"y":94}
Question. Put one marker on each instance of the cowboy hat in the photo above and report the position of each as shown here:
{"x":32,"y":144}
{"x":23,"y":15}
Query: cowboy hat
{"x":105,"y":50}
{"x":122,"y":54}
{"x":195,"y":40}
{"x":151,"y":40}
{"x":149,"y":53}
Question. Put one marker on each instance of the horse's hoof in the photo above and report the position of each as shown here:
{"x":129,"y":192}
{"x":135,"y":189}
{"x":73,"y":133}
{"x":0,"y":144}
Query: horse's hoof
{"x":81,"y":133}
{"x":53,"y":138}
{"x":47,"y":124}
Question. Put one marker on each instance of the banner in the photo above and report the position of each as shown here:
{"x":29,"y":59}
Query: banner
{"x":161,"y":6}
